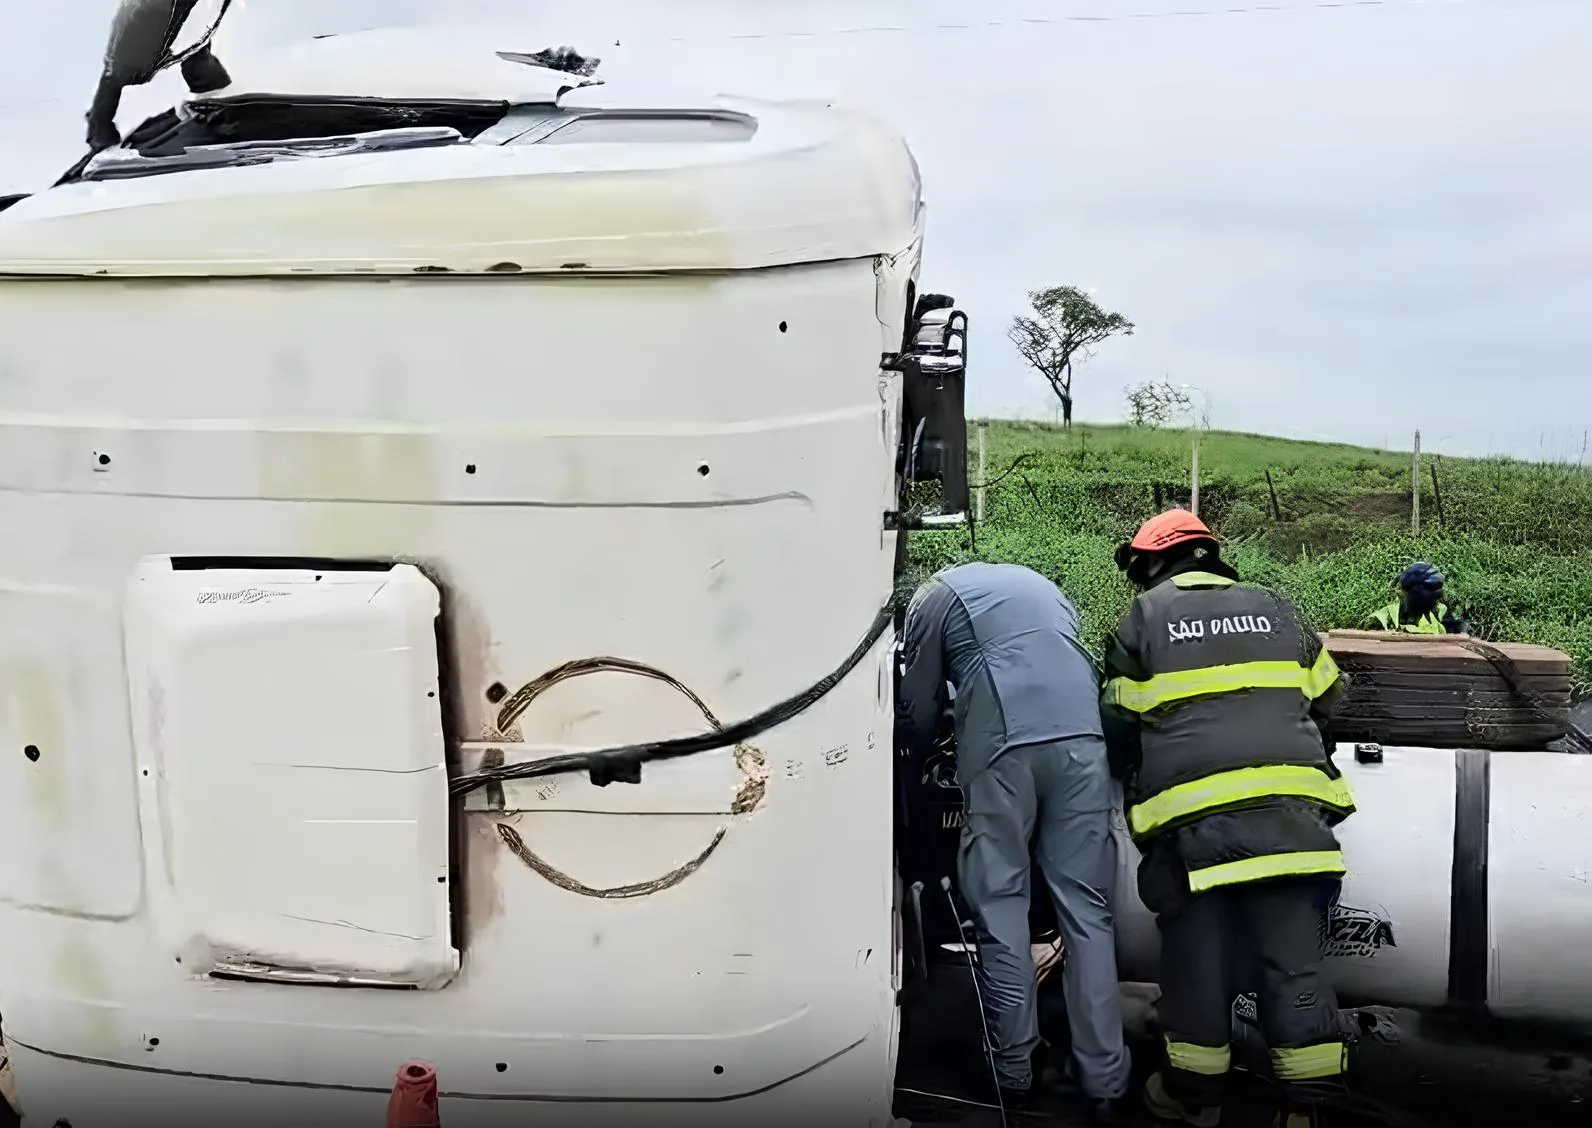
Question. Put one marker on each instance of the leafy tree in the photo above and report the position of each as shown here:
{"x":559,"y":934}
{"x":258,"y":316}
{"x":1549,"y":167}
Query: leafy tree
{"x":1155,"y":403}
{"x":1066,"y":327}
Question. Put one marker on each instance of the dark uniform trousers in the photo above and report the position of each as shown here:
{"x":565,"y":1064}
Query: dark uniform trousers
{"x":1265,"y":937}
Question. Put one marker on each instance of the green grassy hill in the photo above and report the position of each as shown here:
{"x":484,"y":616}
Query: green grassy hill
{"x":1515,"y":539}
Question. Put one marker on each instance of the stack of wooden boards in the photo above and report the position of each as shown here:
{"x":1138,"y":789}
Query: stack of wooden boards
{"x":1448,"y":691}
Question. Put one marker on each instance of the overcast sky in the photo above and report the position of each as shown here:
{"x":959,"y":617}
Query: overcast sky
{"x":1340,"y":222}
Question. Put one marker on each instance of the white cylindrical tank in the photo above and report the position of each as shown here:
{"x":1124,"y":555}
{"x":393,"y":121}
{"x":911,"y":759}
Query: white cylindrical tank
{"x":1468,"y":885}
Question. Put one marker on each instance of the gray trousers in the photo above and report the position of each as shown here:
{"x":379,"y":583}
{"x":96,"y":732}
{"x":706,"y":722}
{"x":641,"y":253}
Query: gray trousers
{"x":1056,"y":797}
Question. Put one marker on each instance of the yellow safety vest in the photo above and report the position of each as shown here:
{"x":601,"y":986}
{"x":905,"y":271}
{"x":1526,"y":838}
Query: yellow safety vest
{"x":1431,"y":623}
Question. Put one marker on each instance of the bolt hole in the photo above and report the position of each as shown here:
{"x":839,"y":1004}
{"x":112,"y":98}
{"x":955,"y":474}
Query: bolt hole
{"x":145,"y":773}
{"x":431,"y":693}
{"x":469,"y":468}
{"x":501,"y":1067}
{"x":704,"y":470}
{"x":718,"y":1069}
{"x":102,"y":458}
{"x":153,"y":1042}
{"x":442,"y":881}
{"x":783,"y":326}
{"x":32,"y":752}
{"x":496,"y":692}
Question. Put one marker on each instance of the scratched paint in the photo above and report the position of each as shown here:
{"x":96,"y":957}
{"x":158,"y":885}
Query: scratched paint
{"x":749,"y":760}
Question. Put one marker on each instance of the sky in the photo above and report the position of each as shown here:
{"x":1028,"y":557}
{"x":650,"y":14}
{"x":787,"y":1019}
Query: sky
{"x":1340,"y":221}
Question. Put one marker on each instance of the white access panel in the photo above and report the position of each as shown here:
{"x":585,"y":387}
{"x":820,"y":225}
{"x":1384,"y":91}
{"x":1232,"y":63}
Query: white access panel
{"x":292,"y":770}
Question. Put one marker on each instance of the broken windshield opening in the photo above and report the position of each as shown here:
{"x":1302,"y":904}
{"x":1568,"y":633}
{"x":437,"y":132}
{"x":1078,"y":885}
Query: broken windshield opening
{"x":236,"y":131}
{"x":263,"y":129}
{"x":120,"y":164}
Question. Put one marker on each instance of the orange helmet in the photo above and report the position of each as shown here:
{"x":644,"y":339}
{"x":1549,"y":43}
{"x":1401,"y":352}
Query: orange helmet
{"x":1174,"y":527}
{"x":1168,"y":530}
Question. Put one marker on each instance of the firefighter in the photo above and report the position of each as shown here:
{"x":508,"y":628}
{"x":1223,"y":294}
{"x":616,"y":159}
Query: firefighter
{"x":1031,"y":762}
{"x":1215,"y":707}
{"x":1419,"y":607}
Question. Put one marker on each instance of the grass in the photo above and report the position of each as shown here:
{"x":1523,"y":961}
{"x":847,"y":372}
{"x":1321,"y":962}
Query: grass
{"x":1514,"y":538}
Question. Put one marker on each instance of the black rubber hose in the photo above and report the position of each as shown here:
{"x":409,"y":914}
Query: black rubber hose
{"x":624,"y":761}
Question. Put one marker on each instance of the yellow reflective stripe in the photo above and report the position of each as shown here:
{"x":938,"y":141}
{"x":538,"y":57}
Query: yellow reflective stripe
{"x":1241,"y":785}
{"x":1180,"y":685}
{"x":1201,"y":579}
{"x":1321,"y":676}
{"x":1209,"y":1061}
{"x":1308,"y":1063}
{"x":1300,"y":864}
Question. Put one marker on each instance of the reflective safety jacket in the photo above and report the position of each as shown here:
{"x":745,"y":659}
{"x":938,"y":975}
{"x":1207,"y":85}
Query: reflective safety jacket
{"x":1216,"y":699}
{"x":1434,"y":622}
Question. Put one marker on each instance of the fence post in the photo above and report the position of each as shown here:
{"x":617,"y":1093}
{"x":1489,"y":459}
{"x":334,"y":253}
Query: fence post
{"x":1415,"y":490}
{"x":979,"y":512}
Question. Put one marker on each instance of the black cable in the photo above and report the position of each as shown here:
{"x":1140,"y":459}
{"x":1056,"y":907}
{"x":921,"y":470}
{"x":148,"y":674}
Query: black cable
{"x":625,"y":761}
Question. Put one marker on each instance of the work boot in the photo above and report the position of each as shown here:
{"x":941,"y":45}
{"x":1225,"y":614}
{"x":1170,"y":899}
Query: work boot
{"x":1163,"y":1106}
{"x":1019,"y":1100}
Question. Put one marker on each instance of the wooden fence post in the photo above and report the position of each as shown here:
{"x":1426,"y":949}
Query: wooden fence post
{"x":1415,"y":490}
{"x":979,"y":513}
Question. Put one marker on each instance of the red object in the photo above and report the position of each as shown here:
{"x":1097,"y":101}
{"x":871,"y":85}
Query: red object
{"x":1176,"y":526}
{"x":413,"y":1103}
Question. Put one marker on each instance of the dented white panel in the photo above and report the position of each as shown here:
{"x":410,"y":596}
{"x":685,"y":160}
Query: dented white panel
{"x":291,"y":758}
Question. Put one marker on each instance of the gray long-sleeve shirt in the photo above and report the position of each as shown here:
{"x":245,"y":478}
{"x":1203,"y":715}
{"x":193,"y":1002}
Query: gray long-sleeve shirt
{"x":1006,"y":638}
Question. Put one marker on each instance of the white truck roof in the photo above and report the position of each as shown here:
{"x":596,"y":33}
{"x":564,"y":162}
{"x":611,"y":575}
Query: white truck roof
{"x":602,"y":179}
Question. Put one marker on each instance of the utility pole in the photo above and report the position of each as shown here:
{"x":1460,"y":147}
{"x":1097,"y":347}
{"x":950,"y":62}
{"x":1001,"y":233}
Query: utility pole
{"x":1415,"y":490}
{"x":1200,"y":422}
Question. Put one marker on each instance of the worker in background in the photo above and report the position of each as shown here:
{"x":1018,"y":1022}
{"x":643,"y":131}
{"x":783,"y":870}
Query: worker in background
{"x":1215,"y":707}
{"x":1031,"y":763}
{"x":1419,"y":608}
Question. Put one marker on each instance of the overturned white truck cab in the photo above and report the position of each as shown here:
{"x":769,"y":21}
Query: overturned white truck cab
{"x":406,"y":408}
{"x":449,"y":517}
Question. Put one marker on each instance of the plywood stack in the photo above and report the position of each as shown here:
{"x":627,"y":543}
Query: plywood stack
{"x":1449,"y":691}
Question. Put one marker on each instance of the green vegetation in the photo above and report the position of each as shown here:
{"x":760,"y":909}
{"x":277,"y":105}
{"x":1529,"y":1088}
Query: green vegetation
{"x":1515,"y":539}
